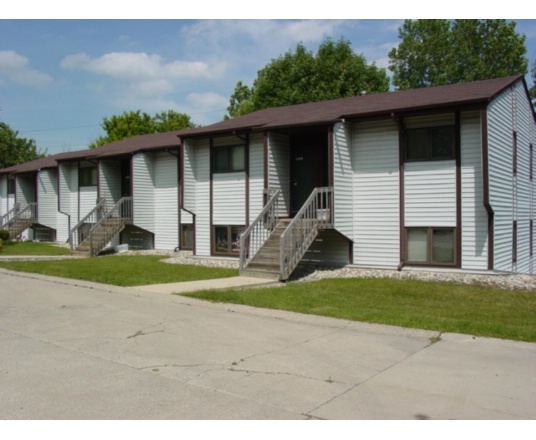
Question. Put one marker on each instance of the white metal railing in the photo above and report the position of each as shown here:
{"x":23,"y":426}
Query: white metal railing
{"x":6,"y":218}
{"x":315,"y":214}
{"x":80,"y":232}
{"x":20,"y":219}
{"x":254,"y":237}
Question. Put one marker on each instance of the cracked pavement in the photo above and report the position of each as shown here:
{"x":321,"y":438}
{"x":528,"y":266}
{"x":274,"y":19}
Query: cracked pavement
{"x":71,"y":350}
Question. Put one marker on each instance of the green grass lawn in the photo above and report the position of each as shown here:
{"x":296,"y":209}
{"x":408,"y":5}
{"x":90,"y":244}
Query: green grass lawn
{"x":443,"y":307}
{"x":120,"y":270}
{"x":24,"y":248}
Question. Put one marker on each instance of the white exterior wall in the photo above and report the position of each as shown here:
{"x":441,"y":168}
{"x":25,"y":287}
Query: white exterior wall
{"x":110,"y":181}
{"x":510,"y":195}
{"x":343,"y":178}
{"x":430,"y":193}
{"x":256,"y":175}
{"x":25,"y":189}
{"x":166,"y":201}
{"x":279,"y":170}
{"x":88,"y":200}
{"x":47,"y":196}
{"x":376,"y":194}
{"x":229,"y":198}
{"x":143,"y":191}
{"x":474,"y":215}
{"x":201,"y":171}
{"x":3,"y":195}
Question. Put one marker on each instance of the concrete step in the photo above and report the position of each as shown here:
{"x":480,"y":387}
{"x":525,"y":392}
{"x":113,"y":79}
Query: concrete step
{"x":260,"y":274}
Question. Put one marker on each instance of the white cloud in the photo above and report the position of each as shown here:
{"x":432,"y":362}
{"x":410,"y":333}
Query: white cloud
{"x":138,"y":66}
{"x":17,"y":68}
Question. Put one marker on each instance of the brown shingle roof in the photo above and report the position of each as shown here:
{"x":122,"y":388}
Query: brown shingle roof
{"x":296,"y":115}
{"x":362,"y":106}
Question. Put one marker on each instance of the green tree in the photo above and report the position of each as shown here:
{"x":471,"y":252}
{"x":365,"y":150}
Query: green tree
{"x":134,"y":123}
{"x":300,"y":76}
{"x":15,"y":150}
{"x":438,"y":52}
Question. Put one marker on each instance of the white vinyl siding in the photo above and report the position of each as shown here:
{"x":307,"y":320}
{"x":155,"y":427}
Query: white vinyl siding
{"x":430,"y":193}
{"x":474,"y":215}
{"x":376,"y":194}
{"x":88,"y":200}
{"x":47,"y":196}
{"x":229,"y":199}
{"x":256,"y":175}
{"x":110,"y":181}
{"x":143,"y":191}
{"x":343,"y":180}
{"x":166,"y":201}
{"x":278,"y":169}
{"x":510,"y":195}
{"x":202,"y":198}
{"x":25,"y":189}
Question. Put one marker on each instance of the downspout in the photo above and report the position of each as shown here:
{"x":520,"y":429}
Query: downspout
{"x":59,"y":205}
{"x":401,"y":154}
{"x":485,"y":186}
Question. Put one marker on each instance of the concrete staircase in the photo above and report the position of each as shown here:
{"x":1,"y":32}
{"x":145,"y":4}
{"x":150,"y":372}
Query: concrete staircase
{"x":265,"y":263}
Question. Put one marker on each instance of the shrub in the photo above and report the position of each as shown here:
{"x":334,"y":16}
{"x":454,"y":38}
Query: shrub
{"x":4,"y":235}
{"x":1,"y":245}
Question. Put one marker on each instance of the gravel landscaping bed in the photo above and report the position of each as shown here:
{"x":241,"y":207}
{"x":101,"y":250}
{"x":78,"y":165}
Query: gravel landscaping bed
{"x":314,"y":273}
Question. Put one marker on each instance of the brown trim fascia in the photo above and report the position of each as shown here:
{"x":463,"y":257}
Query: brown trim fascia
{"x":401,"y":154}
{"x":457,"y":154}
{"x":265,"y":142}
{"x":485,"y":185}
{"x":211,"y":190}
{"x":331,"y":152}
{"x":246,"y":160}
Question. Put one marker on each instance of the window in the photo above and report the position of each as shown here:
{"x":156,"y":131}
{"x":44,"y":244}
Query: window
{"x":431,"y":143}
{"x":10,"y":185}
{"x":227,"y":239}
{"x":87,"y":176}
{"x":187,"y":236}
{"x":229,"y":159}
{"x":430,"y":246}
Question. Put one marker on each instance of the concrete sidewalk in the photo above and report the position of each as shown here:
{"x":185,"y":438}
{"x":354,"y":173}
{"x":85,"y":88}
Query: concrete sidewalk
{"x":75,"y":350}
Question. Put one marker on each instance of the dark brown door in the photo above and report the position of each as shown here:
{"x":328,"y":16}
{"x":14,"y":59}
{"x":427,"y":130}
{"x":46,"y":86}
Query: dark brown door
{"x":308,"y":168}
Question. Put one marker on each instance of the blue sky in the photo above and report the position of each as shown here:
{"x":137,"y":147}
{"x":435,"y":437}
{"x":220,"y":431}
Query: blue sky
{"x":59,"y":78}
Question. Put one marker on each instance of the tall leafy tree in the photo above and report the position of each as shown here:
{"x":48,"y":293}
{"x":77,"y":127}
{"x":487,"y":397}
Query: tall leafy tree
{"x":15,"y":150}
{"x":300,"y":76}
{"x":438,"y":52}
{"x":134,"y":123}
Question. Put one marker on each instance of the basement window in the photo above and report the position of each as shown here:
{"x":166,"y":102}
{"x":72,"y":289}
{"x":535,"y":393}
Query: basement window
{"x":431,"y":246}
{"x":431,"y":143}
{"x":187,"y":236}
{"x":227,"y":239}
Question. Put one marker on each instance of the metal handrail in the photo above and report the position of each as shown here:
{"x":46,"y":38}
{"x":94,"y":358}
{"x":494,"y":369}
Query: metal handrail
{"x":315,"y":214}
{"x":8,"y":216}
{"x":254,"y":237}
{"x":80,"y":231}
{"x":28,"y":215}
{"x":122,"y":213}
